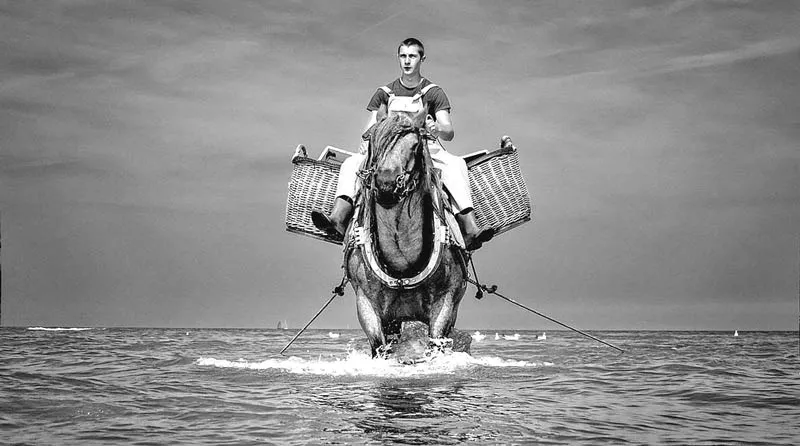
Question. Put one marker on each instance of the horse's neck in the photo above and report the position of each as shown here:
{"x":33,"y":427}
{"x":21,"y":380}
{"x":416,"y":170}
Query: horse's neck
{"x":401,"y":233}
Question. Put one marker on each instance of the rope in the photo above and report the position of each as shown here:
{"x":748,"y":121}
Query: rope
{"x":493,"y":290}
{"x":337,"y":291}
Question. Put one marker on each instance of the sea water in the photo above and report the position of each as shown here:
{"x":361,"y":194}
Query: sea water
{"x":84,"y":386}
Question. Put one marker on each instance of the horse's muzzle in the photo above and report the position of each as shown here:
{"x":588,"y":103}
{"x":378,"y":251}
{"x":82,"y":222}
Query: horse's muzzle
{"x":386,"y":188}
{"x":386,"y":198}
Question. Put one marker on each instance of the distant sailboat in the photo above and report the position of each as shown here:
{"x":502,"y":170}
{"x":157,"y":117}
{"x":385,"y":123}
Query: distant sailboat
{"x":736,"y":332}
{"x":283,"y":325}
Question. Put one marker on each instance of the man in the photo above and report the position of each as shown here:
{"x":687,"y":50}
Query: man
{"x":411,"y":93}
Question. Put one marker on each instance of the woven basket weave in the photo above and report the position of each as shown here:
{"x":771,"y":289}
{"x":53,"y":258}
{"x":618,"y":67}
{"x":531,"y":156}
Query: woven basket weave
{"x":312,"y":186}
{"x":499,"y":193}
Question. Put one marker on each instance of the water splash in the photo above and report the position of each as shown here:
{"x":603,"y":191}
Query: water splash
{"x":59,"y":328}
{"x":359,"y":363}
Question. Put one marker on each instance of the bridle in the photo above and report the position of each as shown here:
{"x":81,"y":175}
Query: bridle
{"x":407,"y":181}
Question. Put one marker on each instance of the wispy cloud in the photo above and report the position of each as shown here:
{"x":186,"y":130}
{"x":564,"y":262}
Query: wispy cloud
{"x":152,"y":142}
{"x":757,"y":50}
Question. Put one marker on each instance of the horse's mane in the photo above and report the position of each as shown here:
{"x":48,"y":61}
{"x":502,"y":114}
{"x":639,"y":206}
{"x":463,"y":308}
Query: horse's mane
{"x":387,"y":132}
{"x":384,"y":139}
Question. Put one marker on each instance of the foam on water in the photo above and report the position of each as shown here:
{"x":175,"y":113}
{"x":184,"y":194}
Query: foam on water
{"x":119,"y":385}
{"x":59,"y":328}
{"x":358,"y":363}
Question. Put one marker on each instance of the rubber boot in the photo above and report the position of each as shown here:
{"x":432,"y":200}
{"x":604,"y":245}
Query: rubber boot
{"x":474,"y":237}
{"x":335,"y":224}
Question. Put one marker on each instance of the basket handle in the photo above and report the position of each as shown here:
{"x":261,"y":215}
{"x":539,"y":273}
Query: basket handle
{"x":299,"y":152}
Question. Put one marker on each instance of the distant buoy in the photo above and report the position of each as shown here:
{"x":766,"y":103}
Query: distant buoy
{"x":736,"y":332}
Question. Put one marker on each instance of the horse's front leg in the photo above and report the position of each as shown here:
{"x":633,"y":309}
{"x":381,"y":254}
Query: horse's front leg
{"x":370,"y":321}
{"x":442,"y":317}
{"x":444,"y":311}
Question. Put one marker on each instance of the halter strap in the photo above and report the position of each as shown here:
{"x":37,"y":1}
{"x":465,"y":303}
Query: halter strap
{"x":361,"y":236}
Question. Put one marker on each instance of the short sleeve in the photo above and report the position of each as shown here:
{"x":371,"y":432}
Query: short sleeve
{"x":437,"y":100}
{"x":378,"y":98}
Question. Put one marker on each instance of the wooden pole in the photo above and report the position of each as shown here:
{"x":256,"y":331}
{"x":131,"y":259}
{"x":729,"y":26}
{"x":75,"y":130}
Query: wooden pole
{"x":493,"y":290}
{"x":309,"y":323}
{"x":338,"y":291}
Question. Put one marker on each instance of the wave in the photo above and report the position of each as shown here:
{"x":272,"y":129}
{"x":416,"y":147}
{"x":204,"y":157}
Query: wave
{"x":358,"y":363}
{"x":59,"y":328}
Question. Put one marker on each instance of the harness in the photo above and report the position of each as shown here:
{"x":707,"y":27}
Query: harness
{"x":362,"y":232}
{"x":362,"y":236}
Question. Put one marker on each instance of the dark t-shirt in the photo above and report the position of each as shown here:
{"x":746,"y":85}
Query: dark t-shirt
{"x":434,"y":100}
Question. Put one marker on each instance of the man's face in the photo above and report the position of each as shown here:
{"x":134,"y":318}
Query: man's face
{"x":409,"y":59}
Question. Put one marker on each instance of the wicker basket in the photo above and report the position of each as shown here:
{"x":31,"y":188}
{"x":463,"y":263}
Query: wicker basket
{"x":499,"y":193}
{"x":312,"y":187}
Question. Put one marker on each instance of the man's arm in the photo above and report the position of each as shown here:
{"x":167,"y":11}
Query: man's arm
{"x":442,"y":128}
{"x":373,"y":118}
{"x":376,"y":107}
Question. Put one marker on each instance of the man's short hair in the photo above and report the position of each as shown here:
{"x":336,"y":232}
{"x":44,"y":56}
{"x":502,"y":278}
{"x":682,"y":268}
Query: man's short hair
{"x":412,"y":41}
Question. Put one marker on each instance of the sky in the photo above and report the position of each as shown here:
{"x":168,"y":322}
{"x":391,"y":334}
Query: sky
{"x":145,"y":151}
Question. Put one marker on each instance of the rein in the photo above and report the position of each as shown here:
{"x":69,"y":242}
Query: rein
{"x":405,"y":184}
{"x":407,"y":181}
{"x":410,"y":181}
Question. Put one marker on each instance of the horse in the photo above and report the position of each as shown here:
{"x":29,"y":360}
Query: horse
{"x":402,"y":269}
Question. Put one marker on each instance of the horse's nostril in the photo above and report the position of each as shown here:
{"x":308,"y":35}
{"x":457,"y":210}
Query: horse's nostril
{"x":386,"y":197}
{"x":385,"y":181}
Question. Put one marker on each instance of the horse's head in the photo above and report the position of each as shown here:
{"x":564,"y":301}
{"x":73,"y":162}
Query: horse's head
{"x":398,"y":159}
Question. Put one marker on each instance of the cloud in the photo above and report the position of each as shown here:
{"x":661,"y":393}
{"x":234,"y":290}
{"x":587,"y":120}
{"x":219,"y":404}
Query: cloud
{"x":750,"y":51}
{"x":150,"y":144}
{"x":18,"y":167}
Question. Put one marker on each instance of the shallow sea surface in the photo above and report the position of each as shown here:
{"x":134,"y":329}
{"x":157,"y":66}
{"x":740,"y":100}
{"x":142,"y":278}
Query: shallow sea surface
{"x":187,"y":386}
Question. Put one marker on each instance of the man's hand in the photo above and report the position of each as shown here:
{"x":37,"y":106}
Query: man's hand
{"x":430,"y":124}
